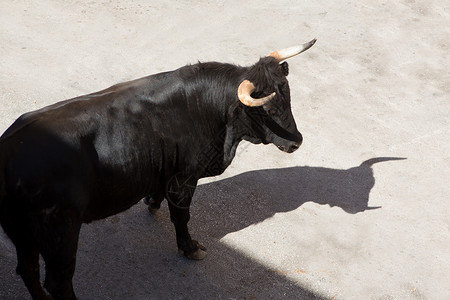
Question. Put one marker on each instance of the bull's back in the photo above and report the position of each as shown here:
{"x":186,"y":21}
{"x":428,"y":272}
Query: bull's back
{"x":101,"y":152}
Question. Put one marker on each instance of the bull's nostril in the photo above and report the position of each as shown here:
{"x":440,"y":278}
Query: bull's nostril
{"x":294,"y":147}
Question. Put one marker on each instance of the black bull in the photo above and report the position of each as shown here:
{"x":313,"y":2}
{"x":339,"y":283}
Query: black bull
{"x":96,"y":155}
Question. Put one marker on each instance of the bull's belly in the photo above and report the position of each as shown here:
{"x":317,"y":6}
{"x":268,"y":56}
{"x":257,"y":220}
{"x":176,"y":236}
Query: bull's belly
{"x":102,"y":208}
{"x":85,"y":195}
{"x":111,"y":199}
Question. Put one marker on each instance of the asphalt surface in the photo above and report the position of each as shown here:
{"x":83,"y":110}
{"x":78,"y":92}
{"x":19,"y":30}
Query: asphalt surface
{"x":342,"y":218}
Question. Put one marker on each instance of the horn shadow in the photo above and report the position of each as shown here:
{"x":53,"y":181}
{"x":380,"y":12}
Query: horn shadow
{"x":372,"y":161}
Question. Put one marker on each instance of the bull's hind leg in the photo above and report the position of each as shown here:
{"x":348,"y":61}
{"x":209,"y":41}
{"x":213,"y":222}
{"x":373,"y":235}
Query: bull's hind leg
{"x":153,"y":202}
{"x":59,"y":241}
{"x":28,"y":269}
{"x":179,"y":196}
{"x":27,"y":255}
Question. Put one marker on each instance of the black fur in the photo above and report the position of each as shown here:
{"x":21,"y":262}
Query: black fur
{"x":96,"y":155}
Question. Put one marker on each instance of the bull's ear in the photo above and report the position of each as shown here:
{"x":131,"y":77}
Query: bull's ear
{"x":284,"y":68}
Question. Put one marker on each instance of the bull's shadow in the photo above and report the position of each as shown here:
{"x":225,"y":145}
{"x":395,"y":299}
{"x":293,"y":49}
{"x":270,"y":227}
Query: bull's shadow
{"x":132,"y":255}
{"x":252,"y":197}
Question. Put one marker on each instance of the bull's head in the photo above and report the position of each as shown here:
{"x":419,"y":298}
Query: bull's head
{"x":266,"y":95}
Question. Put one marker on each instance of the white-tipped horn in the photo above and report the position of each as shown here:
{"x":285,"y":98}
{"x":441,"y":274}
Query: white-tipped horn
{"x":245,"y":89}
{"x":283,"y":54}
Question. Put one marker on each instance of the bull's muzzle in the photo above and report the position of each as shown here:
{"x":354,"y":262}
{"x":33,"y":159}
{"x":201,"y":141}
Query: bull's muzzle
{"x":292,"y":146}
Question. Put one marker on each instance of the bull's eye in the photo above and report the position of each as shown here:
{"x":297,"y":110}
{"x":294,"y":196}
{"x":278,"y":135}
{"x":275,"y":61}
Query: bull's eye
{"x":272,"y":111}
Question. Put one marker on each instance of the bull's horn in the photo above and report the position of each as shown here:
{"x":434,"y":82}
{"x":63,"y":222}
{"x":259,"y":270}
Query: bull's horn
{"x":245,"y":89}
{"x":283,"y":54}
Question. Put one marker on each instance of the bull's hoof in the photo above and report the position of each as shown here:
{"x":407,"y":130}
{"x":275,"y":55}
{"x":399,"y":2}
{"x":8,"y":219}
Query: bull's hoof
{"x":198,"y":254}
{"x":153,"y":206}
{"x":152,"y":210}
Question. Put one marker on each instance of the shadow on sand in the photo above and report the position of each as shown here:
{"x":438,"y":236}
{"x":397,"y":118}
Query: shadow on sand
{"x":133,"y":255}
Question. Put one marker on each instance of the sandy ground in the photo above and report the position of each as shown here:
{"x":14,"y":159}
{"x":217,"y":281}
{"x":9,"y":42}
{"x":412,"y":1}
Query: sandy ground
{"x":314,"y":224}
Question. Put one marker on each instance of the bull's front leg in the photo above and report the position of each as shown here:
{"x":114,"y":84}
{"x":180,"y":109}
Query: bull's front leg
{"x":179,"y":196}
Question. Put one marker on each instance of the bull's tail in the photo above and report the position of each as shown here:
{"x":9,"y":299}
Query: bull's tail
{"x":2,"y":188}
{"x":2,"y":180}
{"x":370,"y":162}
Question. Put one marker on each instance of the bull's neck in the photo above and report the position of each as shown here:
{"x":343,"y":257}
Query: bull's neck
{"x":215,"y":91}
{"x":223,"y":139}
